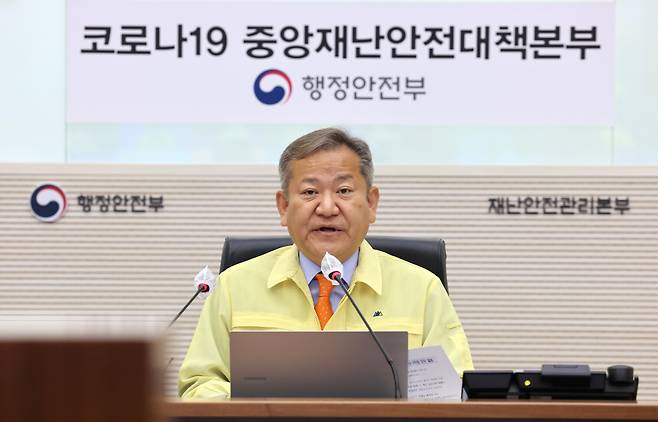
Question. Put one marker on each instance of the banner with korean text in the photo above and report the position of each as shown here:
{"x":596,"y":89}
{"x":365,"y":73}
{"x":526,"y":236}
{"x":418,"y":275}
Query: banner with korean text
{"x":442,"y":63}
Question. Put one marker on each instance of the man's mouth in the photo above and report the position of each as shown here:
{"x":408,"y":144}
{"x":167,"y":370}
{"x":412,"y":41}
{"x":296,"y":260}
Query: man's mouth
{"x":327,"y":229}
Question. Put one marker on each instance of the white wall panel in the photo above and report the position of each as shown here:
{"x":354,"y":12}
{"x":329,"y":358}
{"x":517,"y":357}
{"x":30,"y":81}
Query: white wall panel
{"x":529,"y":289}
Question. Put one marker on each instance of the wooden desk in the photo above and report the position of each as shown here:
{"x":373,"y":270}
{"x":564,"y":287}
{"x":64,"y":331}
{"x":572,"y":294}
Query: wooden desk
{"x":69,"y":379}
{"x":388,"y":410}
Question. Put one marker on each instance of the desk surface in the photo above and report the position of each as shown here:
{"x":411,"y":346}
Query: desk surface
{"x":474,"y":409}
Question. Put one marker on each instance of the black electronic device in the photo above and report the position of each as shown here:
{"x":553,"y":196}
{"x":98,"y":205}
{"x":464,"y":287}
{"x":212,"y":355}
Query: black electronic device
{"x":564,"y":382}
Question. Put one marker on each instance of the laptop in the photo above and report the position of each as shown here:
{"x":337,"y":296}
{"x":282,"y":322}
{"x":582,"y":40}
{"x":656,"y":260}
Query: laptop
{"x":317,"y":364}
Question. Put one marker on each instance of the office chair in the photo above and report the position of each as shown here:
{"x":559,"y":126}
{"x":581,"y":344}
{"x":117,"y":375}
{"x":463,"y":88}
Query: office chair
{"x":427,"y":253}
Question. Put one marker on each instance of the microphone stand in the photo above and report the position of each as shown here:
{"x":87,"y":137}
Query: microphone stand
{"x":396,"y":379}
{"x":201,"y":289}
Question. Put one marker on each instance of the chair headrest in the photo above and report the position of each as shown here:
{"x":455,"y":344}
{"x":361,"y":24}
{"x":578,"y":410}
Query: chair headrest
{"x":427,"y":253}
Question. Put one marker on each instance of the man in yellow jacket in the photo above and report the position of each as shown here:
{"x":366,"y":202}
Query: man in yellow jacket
{"x":327,"y":201}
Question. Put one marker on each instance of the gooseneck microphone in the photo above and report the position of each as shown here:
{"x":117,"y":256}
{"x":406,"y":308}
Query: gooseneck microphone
{"x":201,"y":289}
{"x":204,"y":282}
{"x":332,"y":269}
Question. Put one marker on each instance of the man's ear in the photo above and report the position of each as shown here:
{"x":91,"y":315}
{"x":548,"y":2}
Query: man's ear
{"x":373,"y":202}
{"x":282,"y":206}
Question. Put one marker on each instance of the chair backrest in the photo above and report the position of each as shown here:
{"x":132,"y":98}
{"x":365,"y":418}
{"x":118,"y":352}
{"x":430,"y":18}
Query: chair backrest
{"x":427,"y":253}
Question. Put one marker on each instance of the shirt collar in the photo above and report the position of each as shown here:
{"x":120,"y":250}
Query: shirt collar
{"x":310,"y":268}
{"x":287,"y":267}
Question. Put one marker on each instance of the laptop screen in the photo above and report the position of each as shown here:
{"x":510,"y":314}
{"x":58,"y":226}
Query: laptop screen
{"x":316,"y":364}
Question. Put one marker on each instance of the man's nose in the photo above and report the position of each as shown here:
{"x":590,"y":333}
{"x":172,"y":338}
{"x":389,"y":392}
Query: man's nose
{"x":327,"y":205}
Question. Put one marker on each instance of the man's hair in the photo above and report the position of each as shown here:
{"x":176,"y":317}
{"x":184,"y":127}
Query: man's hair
{"x":324,"y":140}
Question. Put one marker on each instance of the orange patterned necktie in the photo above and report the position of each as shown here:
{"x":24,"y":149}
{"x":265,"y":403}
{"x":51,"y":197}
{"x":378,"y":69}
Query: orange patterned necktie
{"x":323,"y":305}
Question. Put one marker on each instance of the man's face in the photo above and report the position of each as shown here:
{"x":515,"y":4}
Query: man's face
{"x":328,"y":207}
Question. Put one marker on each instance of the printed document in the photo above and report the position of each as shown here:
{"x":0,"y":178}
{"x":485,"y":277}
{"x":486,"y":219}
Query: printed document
{"x":432,"y":376}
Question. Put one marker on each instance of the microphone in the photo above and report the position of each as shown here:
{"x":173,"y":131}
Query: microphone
{"x":204,"y":282}
{"x":332,"y":269}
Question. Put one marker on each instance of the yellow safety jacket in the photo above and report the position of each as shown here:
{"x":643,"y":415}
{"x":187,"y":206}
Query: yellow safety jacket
{"x":270,"y":292}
